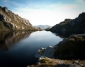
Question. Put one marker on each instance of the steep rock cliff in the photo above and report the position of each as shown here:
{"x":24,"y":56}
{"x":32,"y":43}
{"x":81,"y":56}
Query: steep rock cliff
{"x":11,"y":21}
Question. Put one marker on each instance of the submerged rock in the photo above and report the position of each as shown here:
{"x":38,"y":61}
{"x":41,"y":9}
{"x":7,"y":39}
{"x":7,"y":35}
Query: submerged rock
{"x":45,"y":52}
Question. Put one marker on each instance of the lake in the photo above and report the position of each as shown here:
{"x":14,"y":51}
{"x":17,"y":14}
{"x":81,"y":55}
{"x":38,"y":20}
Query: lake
{"x":18,"y":49}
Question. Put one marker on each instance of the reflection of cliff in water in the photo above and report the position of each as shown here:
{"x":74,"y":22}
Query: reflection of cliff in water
{"x":7,"y":39}
{"x":63,"y":35}
{"x":66,"y":35}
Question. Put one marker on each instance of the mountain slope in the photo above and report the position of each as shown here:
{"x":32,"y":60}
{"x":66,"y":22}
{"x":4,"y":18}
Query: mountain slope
{"x":72,"y":47}
{"x":71,"y":26}
{"x":42,"y":26}
{"x":11,"y":21}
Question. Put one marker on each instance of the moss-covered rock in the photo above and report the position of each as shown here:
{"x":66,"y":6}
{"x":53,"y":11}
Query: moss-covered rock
{"x":71,"y":48}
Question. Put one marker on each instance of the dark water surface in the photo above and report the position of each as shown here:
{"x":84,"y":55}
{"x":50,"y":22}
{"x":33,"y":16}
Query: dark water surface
{"x":18,"y":49}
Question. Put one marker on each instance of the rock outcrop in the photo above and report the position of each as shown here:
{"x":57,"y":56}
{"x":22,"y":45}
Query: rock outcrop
{"x":69,"y":48}
{"x":11,"y":21}
{"x":71,"y":26}
{"x":45,"y":52}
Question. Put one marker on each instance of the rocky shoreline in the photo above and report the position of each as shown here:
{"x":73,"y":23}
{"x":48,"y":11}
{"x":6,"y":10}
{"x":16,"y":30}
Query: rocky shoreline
{"x":70,"y":52}
{"x":47,"y":55}
{"x":73,"y":39}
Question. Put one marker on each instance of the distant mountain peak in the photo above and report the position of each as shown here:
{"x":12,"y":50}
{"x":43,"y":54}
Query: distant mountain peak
{"x":43,"y":26}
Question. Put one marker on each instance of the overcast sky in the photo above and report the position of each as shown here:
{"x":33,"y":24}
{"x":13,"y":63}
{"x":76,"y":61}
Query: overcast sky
{"x":45,"y":12}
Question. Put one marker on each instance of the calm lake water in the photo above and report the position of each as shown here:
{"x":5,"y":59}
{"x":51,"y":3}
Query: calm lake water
{"x":19,"y":48}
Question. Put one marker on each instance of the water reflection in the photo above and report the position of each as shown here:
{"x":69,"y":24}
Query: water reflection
{"x":66,"y":35}
{"x":62,"y":35}
{"x":7,"y":39}
{"x":18,"y":49}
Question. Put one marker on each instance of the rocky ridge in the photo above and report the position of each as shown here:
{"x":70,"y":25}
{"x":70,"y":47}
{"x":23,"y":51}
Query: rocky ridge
{"x":71,"y":26}
{"x":11,"y":21}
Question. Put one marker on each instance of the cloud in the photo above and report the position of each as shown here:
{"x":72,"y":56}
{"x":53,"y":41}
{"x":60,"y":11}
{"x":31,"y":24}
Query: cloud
{"x":10,"y":3}
{"x":50,"y":14}
{"x":80,"y":1}
{"x":5,"y":0}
